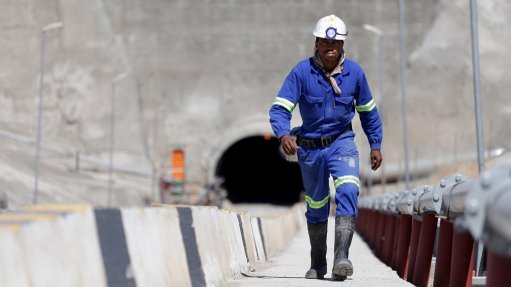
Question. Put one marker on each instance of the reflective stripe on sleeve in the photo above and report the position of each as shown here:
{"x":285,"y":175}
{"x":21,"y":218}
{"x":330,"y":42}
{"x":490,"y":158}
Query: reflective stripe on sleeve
{"x":367,"y":107}
{"x":347,"y":179}
{"x":316,"y":204}
{"x":288,"y":105}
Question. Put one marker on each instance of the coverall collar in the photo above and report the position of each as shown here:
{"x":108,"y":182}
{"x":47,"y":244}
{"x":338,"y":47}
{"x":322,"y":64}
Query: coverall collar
{"x":316,"y":70}
{"x":321,"y":77}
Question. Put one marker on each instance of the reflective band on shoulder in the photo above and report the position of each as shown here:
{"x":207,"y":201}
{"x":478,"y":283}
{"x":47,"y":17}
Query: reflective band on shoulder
{"x":316,"y":204}
{"x":367,"y":107}
{"x":288,"y":105}
{"x":347,"y":179}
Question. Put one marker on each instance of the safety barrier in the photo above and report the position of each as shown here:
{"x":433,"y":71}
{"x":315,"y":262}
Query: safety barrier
{"x":163,"y":245}
{"x":403,"y":228}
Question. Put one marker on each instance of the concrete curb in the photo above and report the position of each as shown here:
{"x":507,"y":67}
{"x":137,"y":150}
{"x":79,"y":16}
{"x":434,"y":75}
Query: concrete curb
{"x":163,"y":245}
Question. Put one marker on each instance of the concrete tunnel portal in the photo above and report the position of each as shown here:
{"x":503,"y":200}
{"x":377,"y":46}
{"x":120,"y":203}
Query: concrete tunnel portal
{"x":254,"y":171}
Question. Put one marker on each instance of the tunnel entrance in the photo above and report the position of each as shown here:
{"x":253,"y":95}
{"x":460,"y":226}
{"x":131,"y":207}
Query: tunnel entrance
{"x":254,"y":171}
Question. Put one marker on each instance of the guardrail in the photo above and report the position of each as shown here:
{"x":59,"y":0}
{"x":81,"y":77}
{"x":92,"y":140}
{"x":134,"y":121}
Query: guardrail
{"x":409,"y":229}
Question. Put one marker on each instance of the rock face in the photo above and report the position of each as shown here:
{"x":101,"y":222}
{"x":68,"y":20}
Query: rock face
{"x":202,"y":74}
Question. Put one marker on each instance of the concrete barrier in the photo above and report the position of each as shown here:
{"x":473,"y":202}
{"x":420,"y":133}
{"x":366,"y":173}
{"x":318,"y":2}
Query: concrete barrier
{"x":50,"y":249}
{"x":255,"y":223}
{"x":248,"y":239}
{"x":232,"y":243}
{"x":279,"y":228}
{"x":207,"y":226}
{"x":12,"y":260}
{"x":157,"y":254}
{"x":76,"y":245}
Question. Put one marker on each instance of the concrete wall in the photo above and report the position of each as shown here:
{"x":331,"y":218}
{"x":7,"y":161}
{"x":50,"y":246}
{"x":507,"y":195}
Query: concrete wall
{"x":204,"y":73}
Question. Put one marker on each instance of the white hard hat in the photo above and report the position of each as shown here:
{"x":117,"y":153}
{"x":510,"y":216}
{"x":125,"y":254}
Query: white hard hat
{"x":330,"y":27}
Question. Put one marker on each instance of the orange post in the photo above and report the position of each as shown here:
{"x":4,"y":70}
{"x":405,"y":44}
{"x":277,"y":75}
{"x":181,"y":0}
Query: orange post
{"x":177,"y":173}
{"x":178,"y":165}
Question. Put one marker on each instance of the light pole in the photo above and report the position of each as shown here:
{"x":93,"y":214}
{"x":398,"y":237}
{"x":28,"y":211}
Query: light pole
{"x":479,"y":247}
{"x":477,"y":85}
{"x":402,"y":73}
{"x":40,"y":106}
{"x":379,"y":34}
{"x":112,"y":132}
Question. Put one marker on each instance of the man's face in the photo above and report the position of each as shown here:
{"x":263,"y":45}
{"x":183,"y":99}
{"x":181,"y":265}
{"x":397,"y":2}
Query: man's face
{"x":329,"y":50}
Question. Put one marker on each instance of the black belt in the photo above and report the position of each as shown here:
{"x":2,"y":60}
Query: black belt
{"x":323,"y":141}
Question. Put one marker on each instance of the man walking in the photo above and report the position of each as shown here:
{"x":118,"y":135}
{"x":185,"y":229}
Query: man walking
{"x":328,"y":88}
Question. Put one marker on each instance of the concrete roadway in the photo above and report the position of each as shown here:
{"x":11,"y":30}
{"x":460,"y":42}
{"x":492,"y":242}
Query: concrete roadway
{"x":288,"y":268}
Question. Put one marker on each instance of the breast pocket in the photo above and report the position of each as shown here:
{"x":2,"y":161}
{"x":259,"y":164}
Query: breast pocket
{"x":310,"y":107}
{"x":343,"y":107}
{"x":313,"y":99}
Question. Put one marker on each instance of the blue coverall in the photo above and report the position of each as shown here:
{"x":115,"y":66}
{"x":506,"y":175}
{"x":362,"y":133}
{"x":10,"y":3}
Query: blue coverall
{"x":325,"y":113}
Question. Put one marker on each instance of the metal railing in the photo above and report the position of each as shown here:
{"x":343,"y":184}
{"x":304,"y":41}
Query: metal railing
{"x":447,"y":224}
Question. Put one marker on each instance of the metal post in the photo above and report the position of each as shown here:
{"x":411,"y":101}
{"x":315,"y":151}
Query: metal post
{"x":397,"y":223}
{"x":414,"y":245}
{"x":477,"y":100}
{"x":477,"y":86}
{"x":444,"y":251}
{"x":373,"y":228}
{"x":498,"y":270}
{"x":455,"y":149}
{"x":383,"y":107}
{"x":112,"y":131}
{"x":415,"y":164}
{"x":461,"y":259}
{"x":379,"y":34}
{"x":405,"y":231}
{"x":390,"y":231}
{"x":425,"y":250}
{"x":380,"y":235}
{"x":40,"y":107}
{"x":402,"y":74}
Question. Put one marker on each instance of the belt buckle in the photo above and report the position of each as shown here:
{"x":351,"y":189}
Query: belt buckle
{"x":326,"y":141}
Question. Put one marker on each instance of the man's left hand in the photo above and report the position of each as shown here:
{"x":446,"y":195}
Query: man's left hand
{"x":376,"y":159}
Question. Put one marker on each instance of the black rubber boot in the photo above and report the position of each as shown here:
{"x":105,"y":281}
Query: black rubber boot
{"x":344,"y":228}
{"x":317,"y":237}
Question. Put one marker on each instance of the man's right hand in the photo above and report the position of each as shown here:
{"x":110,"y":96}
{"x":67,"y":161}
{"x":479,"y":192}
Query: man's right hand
{"x":288,"y":145}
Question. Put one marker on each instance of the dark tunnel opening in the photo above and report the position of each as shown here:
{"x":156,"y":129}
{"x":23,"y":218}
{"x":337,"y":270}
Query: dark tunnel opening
{"x":254,"y":171}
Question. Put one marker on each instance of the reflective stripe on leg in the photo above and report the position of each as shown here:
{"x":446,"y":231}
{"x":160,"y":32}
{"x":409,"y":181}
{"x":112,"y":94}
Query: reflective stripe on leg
{"x":346,"y":179}
{"x":316,"y":204}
